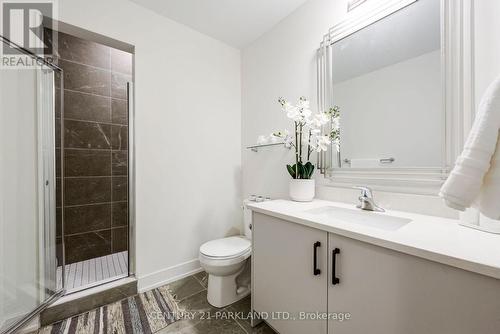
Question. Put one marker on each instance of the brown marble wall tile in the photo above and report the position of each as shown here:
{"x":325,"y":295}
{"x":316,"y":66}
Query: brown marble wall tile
{"x":121,"y":61}
{"x":59,"y":253}
{"x":79,"y":134}
{"x":119,"y":111}
{"x":57,"y":102}
{"x":119,"y":137}
{"x":57,"y":132}
{"x":120,"y":188}
{"x":87,"y":162}
{"x":119,"y":163}
{"x":119,"y":85}
{"x":58,"y":222}
{"x":86,"y":218}
{"x":86,"y":79}
{"x":119,"y":239}
{"x":120,"y":214}
{"x":87,"y":107}
{"x":83,"y":51}
{"x":58,"y":192}
{"x":87,"y":190}
{"x":81,"y":247}
{"x":95,"y":148}
{"x":58,"y":162}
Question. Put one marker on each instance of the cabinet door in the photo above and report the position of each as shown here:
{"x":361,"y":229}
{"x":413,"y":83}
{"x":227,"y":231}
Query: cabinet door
{"x":387,"y":292}
{"x":283,"y":274}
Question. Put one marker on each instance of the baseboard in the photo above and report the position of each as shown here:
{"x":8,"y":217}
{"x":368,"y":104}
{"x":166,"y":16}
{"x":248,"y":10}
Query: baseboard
{"x":168,"y":275}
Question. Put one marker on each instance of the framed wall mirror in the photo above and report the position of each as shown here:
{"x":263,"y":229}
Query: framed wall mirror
{"x":404,"y":103}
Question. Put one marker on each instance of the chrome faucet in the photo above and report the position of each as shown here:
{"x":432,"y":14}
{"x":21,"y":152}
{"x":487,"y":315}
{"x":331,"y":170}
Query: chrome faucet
{"x":366,"y":201}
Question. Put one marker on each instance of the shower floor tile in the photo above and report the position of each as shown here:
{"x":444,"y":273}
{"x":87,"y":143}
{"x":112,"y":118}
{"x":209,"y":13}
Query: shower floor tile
{"x":95,"y":271}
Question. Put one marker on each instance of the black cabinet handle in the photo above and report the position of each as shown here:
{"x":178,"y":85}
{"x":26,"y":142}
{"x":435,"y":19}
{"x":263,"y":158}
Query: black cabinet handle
{"x":316,"y":270}
{"x":335,"y":279}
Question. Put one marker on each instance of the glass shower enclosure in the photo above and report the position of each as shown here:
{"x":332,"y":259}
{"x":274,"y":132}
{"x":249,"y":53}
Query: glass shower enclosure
{"x":27,"y":190}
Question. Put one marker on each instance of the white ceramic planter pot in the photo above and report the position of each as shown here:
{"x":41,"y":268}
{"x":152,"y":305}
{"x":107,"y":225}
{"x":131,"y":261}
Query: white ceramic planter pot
{"x":302,"y":190}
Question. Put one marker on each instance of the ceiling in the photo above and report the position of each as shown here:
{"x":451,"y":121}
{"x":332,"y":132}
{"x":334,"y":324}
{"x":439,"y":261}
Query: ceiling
{"x":234,"y":22}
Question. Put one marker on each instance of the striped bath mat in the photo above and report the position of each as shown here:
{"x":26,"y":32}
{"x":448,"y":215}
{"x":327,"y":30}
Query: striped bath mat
{"x":145,"y":313}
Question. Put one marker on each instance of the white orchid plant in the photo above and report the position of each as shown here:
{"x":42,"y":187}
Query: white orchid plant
{"x":306,"y":123}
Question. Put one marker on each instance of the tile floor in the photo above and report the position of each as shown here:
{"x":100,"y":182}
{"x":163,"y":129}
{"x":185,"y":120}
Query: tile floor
{"x":184,"y":303}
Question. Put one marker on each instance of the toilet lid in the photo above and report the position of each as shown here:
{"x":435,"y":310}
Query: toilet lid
{"x":226,"y":247}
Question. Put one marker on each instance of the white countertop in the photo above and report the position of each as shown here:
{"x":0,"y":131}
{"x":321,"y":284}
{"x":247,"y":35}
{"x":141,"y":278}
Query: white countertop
{"x":437,"y":239}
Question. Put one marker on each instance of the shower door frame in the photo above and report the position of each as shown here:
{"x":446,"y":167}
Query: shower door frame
{"x":131,"y":195}
{"x":131,"y":173}
{"x":44,"y":236}
{"x":131,"y":186}
{"x":79,"y":32}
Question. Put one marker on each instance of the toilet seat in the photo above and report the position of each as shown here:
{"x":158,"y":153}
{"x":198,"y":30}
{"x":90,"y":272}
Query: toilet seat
{"x":226,"y":248}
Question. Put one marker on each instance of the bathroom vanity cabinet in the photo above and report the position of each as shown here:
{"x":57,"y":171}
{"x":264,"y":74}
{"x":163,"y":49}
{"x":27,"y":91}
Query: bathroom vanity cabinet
{"x":304,"y":272}
{"x":283,"y":276}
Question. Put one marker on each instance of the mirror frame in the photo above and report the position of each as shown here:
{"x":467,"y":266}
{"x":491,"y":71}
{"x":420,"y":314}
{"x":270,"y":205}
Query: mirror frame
{"x":457,"y":59}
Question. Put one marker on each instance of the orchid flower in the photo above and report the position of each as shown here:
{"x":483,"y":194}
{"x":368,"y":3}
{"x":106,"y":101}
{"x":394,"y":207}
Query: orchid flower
{"x":322,"y":143}
{"x":311,"y":124}
{"x":319,"y":120}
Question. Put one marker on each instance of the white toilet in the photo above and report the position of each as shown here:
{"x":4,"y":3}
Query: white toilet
{"x":227,"y":263}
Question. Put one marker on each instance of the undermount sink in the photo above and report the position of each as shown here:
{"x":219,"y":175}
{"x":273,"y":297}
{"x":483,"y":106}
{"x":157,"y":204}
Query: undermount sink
{"x":365,"y":218}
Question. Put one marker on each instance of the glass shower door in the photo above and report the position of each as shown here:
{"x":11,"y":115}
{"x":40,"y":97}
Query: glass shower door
{"x":27,"y":193}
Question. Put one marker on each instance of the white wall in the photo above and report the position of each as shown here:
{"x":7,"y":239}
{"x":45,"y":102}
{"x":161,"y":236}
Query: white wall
{"x":282,"y":63}
{"x":188,"y":136}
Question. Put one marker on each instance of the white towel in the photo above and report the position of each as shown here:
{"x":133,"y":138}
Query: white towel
{"x":475,"y":179}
